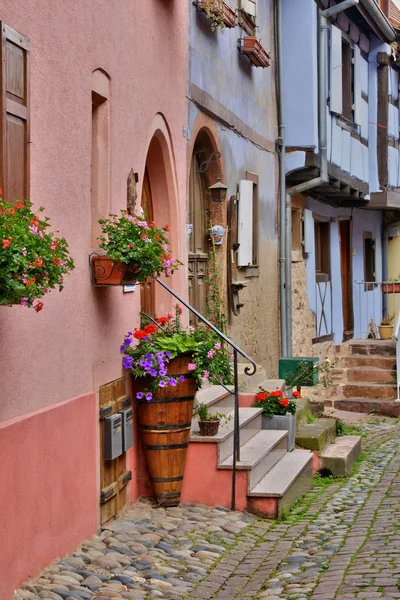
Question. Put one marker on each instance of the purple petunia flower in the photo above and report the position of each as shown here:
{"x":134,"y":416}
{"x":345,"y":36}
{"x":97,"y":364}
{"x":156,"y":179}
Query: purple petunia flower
{"x":122,"y":348}
{"x":149,"y":397}
{"x":128,"y":341}
{"x":153,"y":372}
{"x":172,"y":381}
{"x":168,"y":354}
{"x":181,"y":378}
{"x":127,"y":361}
{"x":149,"y":356}
{"x":143,"y":363}
{"x":139,"y":395}
{"x":162,"y":383}
{"x":160,"y":355}
{"x":163,"y":372}
{"x":130,"y":332}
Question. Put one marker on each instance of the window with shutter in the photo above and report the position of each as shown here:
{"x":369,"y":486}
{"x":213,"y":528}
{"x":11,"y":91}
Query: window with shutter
{"x":14,"y":130}
{"x":335,"y":88}
{"x":245,"y":225}
{"x":249,"y":6}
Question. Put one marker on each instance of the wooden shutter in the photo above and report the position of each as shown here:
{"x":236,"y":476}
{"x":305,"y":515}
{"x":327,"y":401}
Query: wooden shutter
{"x":357,"y":85}
{"x":249,"y":6}
{"x":335,"y":92}
{"x":308,"y":231}
{"x":14,"y":163}
{"x":245,"y":226}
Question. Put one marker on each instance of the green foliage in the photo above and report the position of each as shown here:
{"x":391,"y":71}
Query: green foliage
{"x":343,"y":429}
{"x":141,"y":245}
{"x":321,"y":481}
{"x":304,"y":374}
{"x":274,"y":403}
{"x":178,"y":344}
{"x":310,"y":418}
{"x":388,"y":320}
{"x":215,"y":13}
{"x":32,"y":259}
{"x":205,"y":415}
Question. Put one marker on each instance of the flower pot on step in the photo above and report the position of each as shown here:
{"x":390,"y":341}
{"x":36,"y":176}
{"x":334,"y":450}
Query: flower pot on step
{"x":164,"y":425}
{"x":282,"y":423}
{"x":209,"y":428}
{"x":385,"y":332}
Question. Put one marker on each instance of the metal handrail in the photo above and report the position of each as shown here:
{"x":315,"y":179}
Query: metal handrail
{"x":396,"y":337}
{"x":249,"y":370}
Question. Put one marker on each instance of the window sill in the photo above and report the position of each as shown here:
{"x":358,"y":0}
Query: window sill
{"x":253,"y":271}
{"x":346,"y":124}
{"x":297,"y":256}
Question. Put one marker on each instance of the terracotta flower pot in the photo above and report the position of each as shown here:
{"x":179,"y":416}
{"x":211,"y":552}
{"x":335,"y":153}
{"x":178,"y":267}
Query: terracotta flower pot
{"x":164,"y":424}
{"x":107,"y":271}
{"x":390,"y":288}
{"x":255,"y":51}
{"x":209,"y":428}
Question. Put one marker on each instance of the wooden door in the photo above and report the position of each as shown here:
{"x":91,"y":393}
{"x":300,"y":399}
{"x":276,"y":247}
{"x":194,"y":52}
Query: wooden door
{"x":147,"y":292}
{"x":114,"y":475}
{"x":347,"y":283}
{"x":198,"y":246}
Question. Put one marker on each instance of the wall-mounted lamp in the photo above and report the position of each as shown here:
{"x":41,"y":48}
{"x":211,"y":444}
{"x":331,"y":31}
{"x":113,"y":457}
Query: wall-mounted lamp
{"x":218,"y":190}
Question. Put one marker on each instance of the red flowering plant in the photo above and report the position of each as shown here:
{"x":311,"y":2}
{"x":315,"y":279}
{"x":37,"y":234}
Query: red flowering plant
{"x":275,"y":403}
{"x":158,"y":345}
{"x":139,"y":244}
{"x":32,"y":259}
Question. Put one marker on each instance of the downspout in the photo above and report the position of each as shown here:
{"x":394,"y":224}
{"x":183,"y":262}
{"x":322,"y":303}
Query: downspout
{"x":323,"y":16}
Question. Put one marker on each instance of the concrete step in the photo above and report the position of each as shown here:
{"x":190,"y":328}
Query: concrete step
{"x":368,"y":347}
{"x":290,"y":478}
{"x":251,"y":383}
{"x":370,"y":375}
{"x":339,"y":457}
{"x":259,"y":455}
{"x":317,"y":435}
{"x":217,"y":399}
{"x":387,"y":408}
{"x":365,"y":390}
{"x":250,"y":420}
{"x":303,"y":410}
{"x":359,"y":360}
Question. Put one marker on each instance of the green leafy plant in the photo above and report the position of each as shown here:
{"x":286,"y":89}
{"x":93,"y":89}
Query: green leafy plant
{"x":304,"y":374}
{"x":205,"y":415}
{"x":133,"y":241}
{"x":275,"y":403}
{"x":159,"y":344}
{"x":33,"y":260}
{"x":214,"y":11}
{"x":310,"y":418}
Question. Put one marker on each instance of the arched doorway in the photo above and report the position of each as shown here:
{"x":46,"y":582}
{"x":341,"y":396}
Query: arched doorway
{"x":147,"y":291}
{"x":205,"y":169}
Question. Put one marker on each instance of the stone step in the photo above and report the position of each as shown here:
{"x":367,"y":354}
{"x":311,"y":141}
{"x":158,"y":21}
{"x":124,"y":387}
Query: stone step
{"x":290,"y":478}
{"x":317,"y":435}
{"x":358,"y":360}
{"x":251,"y":383}
{"x":368,"y":347}
{"x":259,"y":455}
{"x":250,"y":420}
{"x":387,"y":408}
{"x":365,"y":390}
{"x":217,"y":399}
{"x":339,"y":457}
{"x":303,"y":409}
{"x":370,"y":375}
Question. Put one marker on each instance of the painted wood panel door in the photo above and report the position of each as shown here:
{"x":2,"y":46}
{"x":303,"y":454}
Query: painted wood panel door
{"x":147,"y":291}
{"x":114,"y":475}
{"x":198,"y":245}
{"x":347,"y":284}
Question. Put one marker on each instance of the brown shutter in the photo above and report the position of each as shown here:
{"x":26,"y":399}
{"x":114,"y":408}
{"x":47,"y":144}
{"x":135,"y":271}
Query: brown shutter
{"x":14,"y":131}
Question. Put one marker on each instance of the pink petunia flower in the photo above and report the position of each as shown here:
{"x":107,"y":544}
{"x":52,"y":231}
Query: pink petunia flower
{"x":192,"y":366}
{"x":217,"y":346}
{"x":210,"y":353}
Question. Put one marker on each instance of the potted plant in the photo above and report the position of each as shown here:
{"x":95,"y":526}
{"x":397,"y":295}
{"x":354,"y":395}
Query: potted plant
{"x":221,"y":14}
{"x":209,"y":422}
{"x":168,"y":364}
{"x":386,"y":327}
{"x":255,"y":51}
{"x":278,"y":413}
{"x":135,"y":250}
{"x":33,"y":260}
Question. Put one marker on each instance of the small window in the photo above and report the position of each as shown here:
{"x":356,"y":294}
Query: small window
{"x":369,"y":260}
{"x":322,"y":249}
{"x":347,"y":80}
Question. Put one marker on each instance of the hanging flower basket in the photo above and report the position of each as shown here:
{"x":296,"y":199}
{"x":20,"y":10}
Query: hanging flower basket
{"x":135,"y":250}
{"x":219,"y":11}
{"x":255,"y":51}
{"x":33,"y":260}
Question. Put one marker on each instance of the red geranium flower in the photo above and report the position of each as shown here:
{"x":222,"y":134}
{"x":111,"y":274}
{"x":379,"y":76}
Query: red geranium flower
{"x":277,"y":394}
{"x":284,"y":402}
{"x":296,"y":395}
{"x":150,"y":329}
{"x":162,"y":320}
{"x":166,"y":227}
{"x":139,"y":334}
{"x":261,"y":396}
{"x":39,"y":306}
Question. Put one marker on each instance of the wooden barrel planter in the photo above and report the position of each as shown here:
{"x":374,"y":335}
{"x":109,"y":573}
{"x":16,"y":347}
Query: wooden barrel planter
{"x":164,"y":424}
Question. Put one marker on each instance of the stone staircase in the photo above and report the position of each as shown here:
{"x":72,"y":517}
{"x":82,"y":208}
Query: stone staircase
{"x":268,"y":478}
{"x":364,"y":378}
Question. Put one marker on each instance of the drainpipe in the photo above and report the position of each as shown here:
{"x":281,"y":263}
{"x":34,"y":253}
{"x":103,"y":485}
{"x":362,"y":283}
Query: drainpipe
{"x":323,"y":16}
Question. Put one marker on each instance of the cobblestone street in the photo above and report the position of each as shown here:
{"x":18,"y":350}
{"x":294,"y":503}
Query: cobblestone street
{"x":341,"y":541}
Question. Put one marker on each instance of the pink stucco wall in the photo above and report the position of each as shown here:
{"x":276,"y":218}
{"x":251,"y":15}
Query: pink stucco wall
{"x":72,"y":346}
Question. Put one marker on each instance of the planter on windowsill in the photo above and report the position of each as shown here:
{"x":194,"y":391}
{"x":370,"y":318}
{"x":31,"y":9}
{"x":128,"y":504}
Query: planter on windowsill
{"x":106,"y":271}
{"x":390,"y":288}
{"x":255,"y":51}
{"x":282,"y":423}
{"x":229,"y":15}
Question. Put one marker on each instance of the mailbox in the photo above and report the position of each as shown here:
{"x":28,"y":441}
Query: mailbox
{"x":112,"y":437}
{"x":127,"y":428}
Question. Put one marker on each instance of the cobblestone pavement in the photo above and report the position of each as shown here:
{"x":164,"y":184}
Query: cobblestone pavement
{"x":341,"y":541}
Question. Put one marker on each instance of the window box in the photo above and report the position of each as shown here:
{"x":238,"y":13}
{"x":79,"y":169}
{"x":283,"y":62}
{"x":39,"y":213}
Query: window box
{"x":219,"y":8}
{"x":390,"y":288}
{"x":255,"y":51}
